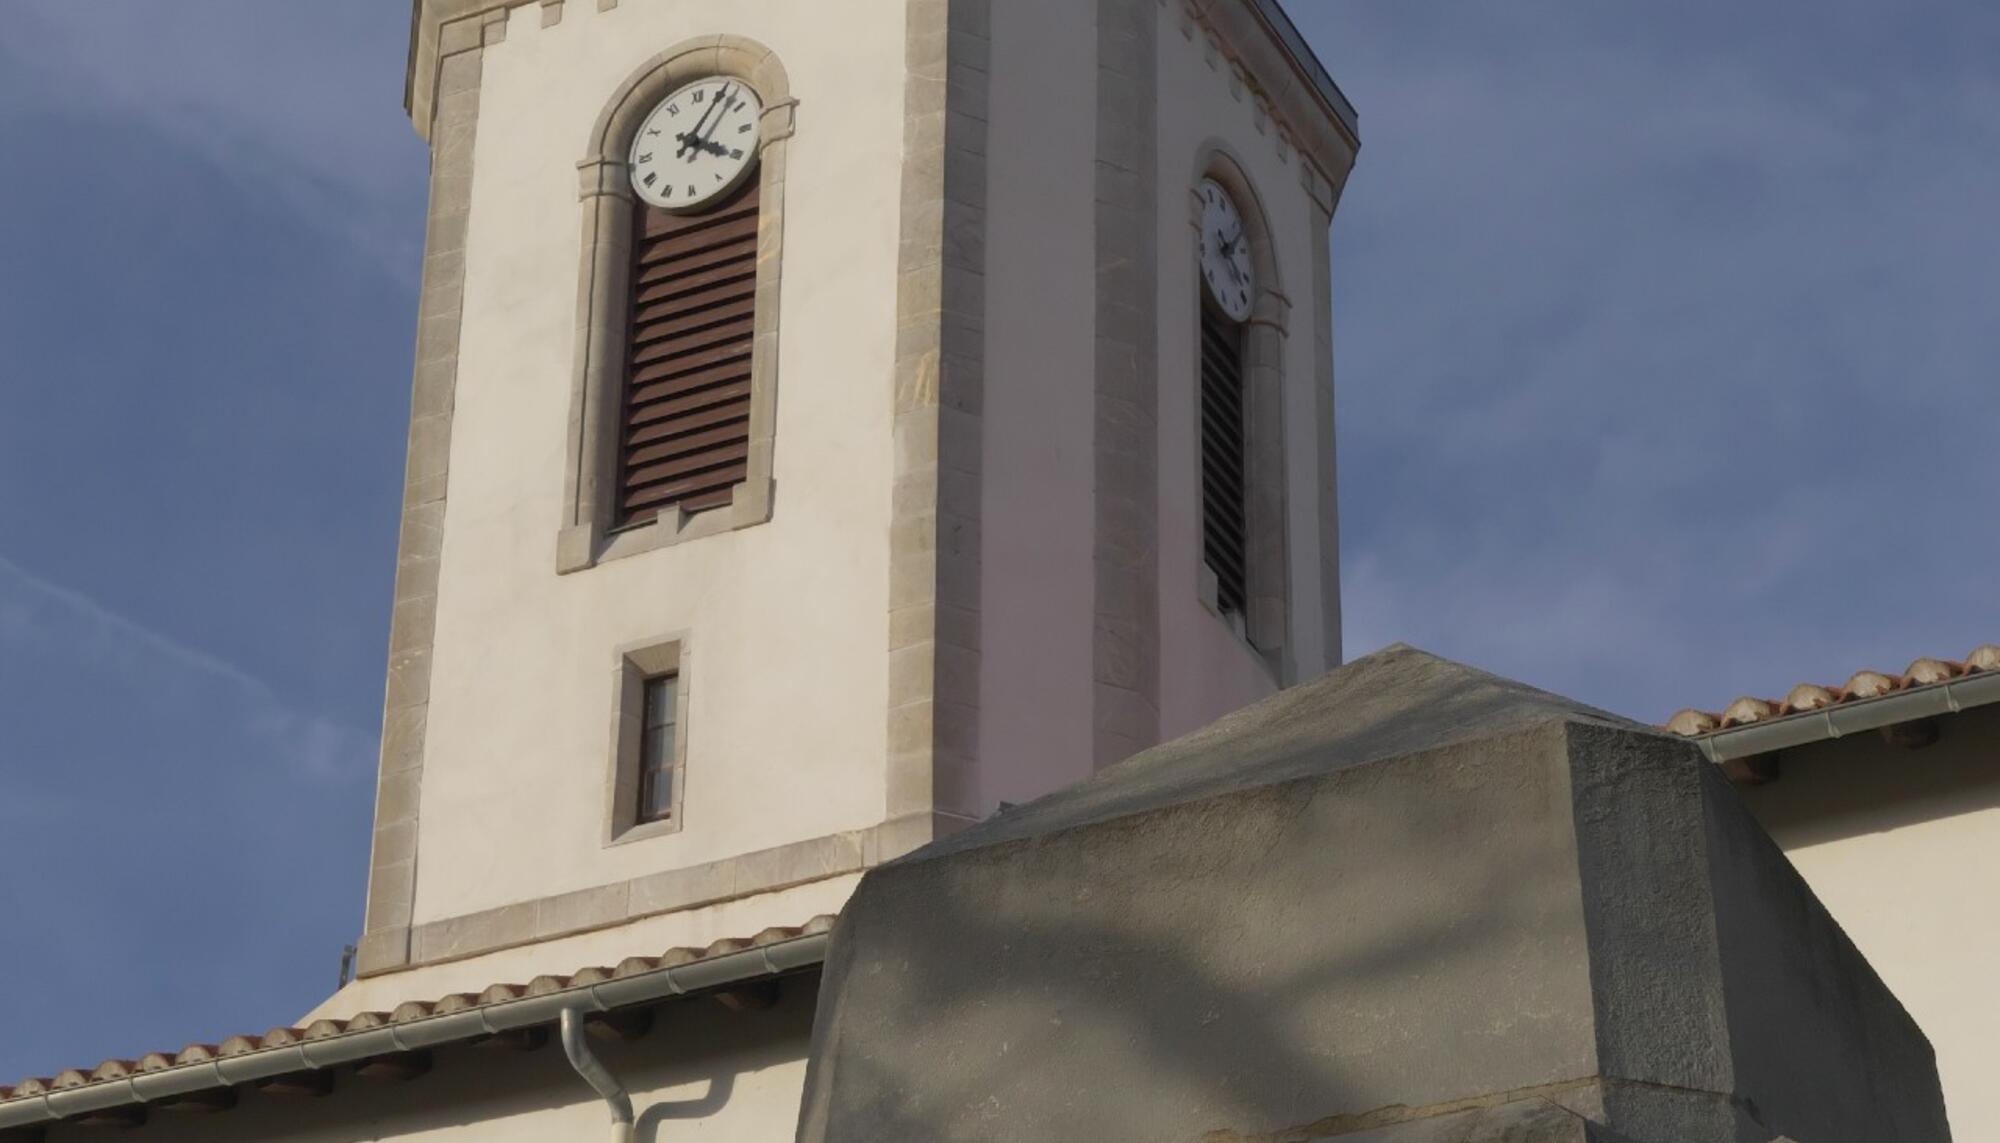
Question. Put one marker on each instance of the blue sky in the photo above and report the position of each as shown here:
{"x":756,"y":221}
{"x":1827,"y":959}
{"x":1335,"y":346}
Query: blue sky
{"x":1667,"y":353}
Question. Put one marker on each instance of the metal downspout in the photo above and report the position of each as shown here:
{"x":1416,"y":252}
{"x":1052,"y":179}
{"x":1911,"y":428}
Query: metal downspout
{"x":597,"y":1075}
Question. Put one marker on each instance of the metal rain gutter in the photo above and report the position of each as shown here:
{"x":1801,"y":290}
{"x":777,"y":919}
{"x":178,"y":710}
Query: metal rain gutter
{"x":429,"y":1032}
{"x":598,"y":1076}
{"x":1841,"y":719}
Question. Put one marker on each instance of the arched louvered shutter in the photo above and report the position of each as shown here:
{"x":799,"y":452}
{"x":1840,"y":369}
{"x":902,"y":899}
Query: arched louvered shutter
{"x":1224,"y":480}
{"x":685,"y":432}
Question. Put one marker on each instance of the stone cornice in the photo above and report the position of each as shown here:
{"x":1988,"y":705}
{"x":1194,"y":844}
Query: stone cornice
{"x":1287,"y":79}
{"x":1257,"y":33}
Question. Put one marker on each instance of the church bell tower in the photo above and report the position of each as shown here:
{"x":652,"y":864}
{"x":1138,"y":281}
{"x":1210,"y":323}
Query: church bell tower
{"x":832,"y":421}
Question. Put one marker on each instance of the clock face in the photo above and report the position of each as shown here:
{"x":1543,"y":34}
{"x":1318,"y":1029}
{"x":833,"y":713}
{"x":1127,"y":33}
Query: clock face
{"x":697,"y":145}
{"x":1225,"y":252}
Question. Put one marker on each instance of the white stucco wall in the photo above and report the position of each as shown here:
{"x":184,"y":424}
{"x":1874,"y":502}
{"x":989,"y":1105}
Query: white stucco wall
{"x":1904,"y":849}
{"x":786,"y":735}
{"x":1206,"y":670}
{"x":1038,"y":470}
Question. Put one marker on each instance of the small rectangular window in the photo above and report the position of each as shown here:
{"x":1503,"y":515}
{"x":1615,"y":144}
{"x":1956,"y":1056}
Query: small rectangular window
{"x":647,"y":779}
{"x":656,"y":748}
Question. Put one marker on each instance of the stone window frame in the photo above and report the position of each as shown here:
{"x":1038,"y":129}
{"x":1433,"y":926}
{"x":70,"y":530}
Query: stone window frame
{"x":636,"y":663}
{"x":587,"y":536}
{"x":1265,"y":628}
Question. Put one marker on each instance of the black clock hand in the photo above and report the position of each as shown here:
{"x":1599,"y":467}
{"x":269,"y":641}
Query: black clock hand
{"x":1229,"y":251}
{"x":688,"y":140}
{"x":1225,"y":253}
{"x":692,"y":140}
{"x":699,"y":139}
{"x":708,"y":142}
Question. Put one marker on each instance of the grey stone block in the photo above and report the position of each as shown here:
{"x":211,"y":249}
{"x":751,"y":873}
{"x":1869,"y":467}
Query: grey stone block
{"x":383,"y":951}
{"x":1534,"y":1120}
{"x":1408,"y":901}
{"x":473,"y":933}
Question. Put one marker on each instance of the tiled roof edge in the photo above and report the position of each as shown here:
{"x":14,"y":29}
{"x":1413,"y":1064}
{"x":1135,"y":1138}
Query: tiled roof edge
{"x":412,"y":1027}
{"x":1869,"y":699}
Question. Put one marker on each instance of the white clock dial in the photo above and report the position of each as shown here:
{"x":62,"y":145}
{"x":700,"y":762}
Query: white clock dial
{"x":698,"y":144}
{"x":1225,"y":252}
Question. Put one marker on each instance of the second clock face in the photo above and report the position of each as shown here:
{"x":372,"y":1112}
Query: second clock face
{"x":697,"y":145}
{"x":1225,"y":252}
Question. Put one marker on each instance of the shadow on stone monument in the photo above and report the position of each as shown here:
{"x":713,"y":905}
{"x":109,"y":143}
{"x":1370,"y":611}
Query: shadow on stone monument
{"x":1409,"y":902}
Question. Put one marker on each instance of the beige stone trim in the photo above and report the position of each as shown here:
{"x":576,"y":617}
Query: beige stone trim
{"x":671,"y":654}
{"x":1267,"y":626}
{"x":602,"y":316}
{"x":1328,"y":491}
{"x":938,"y":394}
{"x":439,"y":28}
{"x":1126,"y":667}
{"x":392,"y":870}
{"x":604,"y":906}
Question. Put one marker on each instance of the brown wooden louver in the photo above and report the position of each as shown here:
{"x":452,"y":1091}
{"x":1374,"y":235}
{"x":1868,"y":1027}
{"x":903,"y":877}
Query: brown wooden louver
{"x":685,"y":436}
{"x":1224,"y":525}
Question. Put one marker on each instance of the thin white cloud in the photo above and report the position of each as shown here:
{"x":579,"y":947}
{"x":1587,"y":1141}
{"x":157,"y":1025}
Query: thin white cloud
{"x":299,"y":101}
{"x":43,"y":622}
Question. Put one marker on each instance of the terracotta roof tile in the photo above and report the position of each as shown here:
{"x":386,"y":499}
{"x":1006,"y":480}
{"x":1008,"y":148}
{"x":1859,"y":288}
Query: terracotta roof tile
{"x":456,"y":1002}
{"x":1747,"y":709}
{"x":1869,"y":684}
{"x":412,"y":1010}
{"x":499,"y":993}
{"x":113,"y":1069}
{"x":409,"y":1010}
{"x":634,"y":965}
{"x":1859,"y":686}
{"x":543,"y":985}
{"x":1923,"y":672}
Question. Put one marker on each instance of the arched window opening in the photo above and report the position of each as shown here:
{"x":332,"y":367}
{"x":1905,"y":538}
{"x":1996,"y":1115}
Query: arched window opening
{"x":1239,"y":410}
{"x":673,"y":405}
